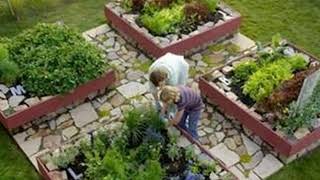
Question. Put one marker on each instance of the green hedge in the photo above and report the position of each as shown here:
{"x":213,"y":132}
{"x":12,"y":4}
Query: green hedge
{"x":54,"y":59}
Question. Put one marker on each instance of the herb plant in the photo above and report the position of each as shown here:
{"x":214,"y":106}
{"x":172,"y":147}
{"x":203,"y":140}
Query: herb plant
{"x":54,"y":59}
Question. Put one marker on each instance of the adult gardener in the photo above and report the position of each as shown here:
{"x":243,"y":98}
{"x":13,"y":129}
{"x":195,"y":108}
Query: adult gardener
{"x":169,"y":69}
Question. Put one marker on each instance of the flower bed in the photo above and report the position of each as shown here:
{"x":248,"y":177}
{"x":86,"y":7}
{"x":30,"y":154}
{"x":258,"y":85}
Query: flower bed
{"x":260,"y":89}
{"x":46,"y":68}
{"x":180,"y":28}
{"x":142,"y":149}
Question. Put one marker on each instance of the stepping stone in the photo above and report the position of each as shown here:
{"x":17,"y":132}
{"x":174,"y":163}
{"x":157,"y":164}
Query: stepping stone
{"x":83,"y":114}
{"x":227,"y":156}
{"x":31,"y":146}
{"x":4,"y":105}
{"x":241,"y":176}
{"x":250,"y":145}
{"x":132,"y":89}
{"x":52,"y":142}
{"x":255,"y":160}
{"x":69,"y":132}
{"x":242,"y":41}
{"x":268,"y":166}
{"x":15,"y":100}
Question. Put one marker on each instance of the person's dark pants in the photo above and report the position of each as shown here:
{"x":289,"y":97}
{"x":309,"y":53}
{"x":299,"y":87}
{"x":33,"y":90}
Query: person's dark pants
{"x":189,"y":122}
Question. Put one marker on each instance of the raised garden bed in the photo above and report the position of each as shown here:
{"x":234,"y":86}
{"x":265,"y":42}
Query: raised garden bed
{"x":45,"y":69}
{"x":275,"y":127}
{"x":223,"y":23}
{"x":51,"y":104}
{"x":170,"y":151}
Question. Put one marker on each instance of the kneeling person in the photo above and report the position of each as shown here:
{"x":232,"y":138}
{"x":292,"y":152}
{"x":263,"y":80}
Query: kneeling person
{"x":189,"y":107}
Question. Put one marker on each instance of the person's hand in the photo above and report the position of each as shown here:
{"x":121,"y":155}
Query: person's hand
{"x":158,"y":106}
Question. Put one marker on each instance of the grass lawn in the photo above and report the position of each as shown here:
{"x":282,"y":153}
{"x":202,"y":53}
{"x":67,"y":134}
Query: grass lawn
{"x":81,"y":14}
{"x":13,"y":164}
{"x":296,"y":20}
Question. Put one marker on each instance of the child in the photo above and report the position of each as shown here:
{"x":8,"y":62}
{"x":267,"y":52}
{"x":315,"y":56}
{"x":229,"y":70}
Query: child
{"x":169,"y":69}
{"x":189,"y":105}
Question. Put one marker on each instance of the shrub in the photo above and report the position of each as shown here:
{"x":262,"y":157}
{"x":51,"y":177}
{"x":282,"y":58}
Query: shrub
{"x":9,"y":71}
{"x":262,"y":83}
{"x":243,"y":71}
{"x":54,"y":59}
{"x":163,"y":21}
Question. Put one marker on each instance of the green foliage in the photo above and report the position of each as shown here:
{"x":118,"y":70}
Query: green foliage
{"x":304,"y":116}
{"x":190,"y":153}
{"x":245,"y":158}
{"x":262,"y":83}
{"x":208,"y":166}
{"x":276,"y":41}
{"x":211,"y":4}
{"x":9,"y":71}
{"x":164,"y":21}
{"x":152,"y":171}
{"x":244,"y":70}
{"x":66,"y":157}
{"x":54,"y":59}
{"x":4,"y":54}
{"x":114,"y":164}
{"x":174,"y":152}
{"x":135,"y":125}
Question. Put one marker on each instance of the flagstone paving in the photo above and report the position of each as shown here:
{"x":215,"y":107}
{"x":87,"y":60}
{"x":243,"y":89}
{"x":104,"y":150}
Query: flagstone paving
{"x":225,"y":138}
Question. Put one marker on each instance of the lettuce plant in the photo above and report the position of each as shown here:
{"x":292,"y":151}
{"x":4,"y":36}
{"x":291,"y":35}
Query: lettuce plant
{"x":163,"y":21}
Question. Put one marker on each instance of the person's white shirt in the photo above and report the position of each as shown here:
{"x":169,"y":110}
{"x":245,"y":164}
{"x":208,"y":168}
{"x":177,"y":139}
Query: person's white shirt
{"x":176,"y":68}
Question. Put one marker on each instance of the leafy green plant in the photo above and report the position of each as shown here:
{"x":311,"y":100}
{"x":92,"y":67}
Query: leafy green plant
{"x":190,"y":154}
{"x":174,"y":152}
{"x":4,"y":54}
{"x":54,"y":59}
{"x":65,"y":157}
{"x":244,"y":70}
{"x":163,"y":21}
{"x":262,"y":83}
{"x":152,"y":171}
{"x":208,"y":167}
{"x":114,"y":164}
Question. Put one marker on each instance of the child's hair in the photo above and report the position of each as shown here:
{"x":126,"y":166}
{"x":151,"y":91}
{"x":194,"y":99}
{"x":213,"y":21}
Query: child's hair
{"x":170,"y":94}
{"x":157,"y":76}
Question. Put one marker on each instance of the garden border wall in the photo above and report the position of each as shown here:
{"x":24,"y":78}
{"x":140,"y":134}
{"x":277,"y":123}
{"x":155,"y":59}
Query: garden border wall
{"x":56,"y":102}
{"x":251,"y":120}
{"x":181,"y":47}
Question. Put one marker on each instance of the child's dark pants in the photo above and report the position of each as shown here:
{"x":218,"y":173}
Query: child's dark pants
{"x":189,"y":122}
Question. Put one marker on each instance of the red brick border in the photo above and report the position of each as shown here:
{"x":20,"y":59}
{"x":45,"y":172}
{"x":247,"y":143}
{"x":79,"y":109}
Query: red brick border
{"x":180,"y":47}
{"x":56,"y":102}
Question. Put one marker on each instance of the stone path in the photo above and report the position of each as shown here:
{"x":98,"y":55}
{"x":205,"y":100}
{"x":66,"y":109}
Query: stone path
{"x":226,"y":139}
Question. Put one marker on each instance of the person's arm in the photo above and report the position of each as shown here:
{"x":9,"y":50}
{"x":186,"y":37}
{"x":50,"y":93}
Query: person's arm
{"x":177,"y":118}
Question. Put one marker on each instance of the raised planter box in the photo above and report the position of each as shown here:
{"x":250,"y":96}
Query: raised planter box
{"x":184,"y":46}
{"x":54,"y":103}
{"x":287,"y":147}
{"x":46,"y":174}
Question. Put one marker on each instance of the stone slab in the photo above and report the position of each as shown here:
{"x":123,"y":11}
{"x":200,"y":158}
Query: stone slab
{"x":268,"y":166}
{"x":229,"y":158}
{"x":83,"y":114}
